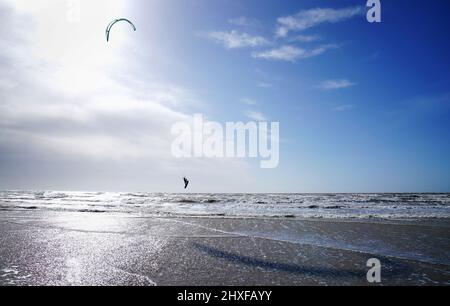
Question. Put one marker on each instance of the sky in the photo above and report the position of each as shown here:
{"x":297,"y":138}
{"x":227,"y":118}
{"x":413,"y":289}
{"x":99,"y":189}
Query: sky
{"x":362,"y":107}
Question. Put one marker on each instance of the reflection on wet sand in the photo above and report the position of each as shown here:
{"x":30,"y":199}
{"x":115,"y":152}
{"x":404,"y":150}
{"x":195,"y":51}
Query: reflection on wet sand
{"x":61,"y":248}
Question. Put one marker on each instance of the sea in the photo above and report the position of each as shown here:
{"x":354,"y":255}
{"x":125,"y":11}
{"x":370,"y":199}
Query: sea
{"x":330,"y":206}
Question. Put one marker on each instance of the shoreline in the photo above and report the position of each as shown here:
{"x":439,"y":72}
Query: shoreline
{"x":426,"y":221}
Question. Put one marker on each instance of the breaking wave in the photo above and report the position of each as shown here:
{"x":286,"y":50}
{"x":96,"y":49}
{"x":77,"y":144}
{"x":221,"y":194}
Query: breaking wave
{"x":381,"y":205}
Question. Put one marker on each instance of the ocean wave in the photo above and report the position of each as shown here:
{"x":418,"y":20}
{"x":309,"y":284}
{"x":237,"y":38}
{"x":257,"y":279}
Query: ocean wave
{"x":234,"y":205}
{"x":91,"y":210}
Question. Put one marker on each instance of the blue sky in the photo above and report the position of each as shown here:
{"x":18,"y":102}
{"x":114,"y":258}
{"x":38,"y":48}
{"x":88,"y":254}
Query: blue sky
{"x":362,"y":107}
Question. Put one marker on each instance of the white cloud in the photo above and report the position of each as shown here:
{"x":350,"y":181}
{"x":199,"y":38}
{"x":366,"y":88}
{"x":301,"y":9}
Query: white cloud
{"x":7,"y":84}
{"x":255,"y":115}
{"x":69,"y":100}
{"x":235,"y":39}
{"x":336,"y":84}
{"x":343,"y":108}
{"x":291,"y":53}
{"x":248,"y":101}
{"x":70,"y":94}
{"x":305,"y":38}
{"x":309,"y":18}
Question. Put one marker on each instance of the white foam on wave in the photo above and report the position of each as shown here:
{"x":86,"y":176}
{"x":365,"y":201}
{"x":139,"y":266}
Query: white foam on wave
{"x":333,"y":206}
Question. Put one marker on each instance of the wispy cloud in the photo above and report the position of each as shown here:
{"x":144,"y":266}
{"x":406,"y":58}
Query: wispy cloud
{"x":286,"y":51}
{"x":255,"y":115}
{"x":309,"y":18}
{"x":343,"y":108}
{"x":291,"y":53}
{"x":336,"y":84}
{"x":248,"y":101}
{"x":265,"y":85}
{"x":235,"y":39}
{"x":245,"y":22}
{"x":305,"y":38}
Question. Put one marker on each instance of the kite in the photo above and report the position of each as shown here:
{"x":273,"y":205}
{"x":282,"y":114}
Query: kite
{"x":108,"y":28}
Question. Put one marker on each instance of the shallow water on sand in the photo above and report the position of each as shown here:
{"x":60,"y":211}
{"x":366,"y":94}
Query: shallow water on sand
{"x":80,"y":248}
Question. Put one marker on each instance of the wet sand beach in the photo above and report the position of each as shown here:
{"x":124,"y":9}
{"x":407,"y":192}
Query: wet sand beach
{"x":76,"y":248}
